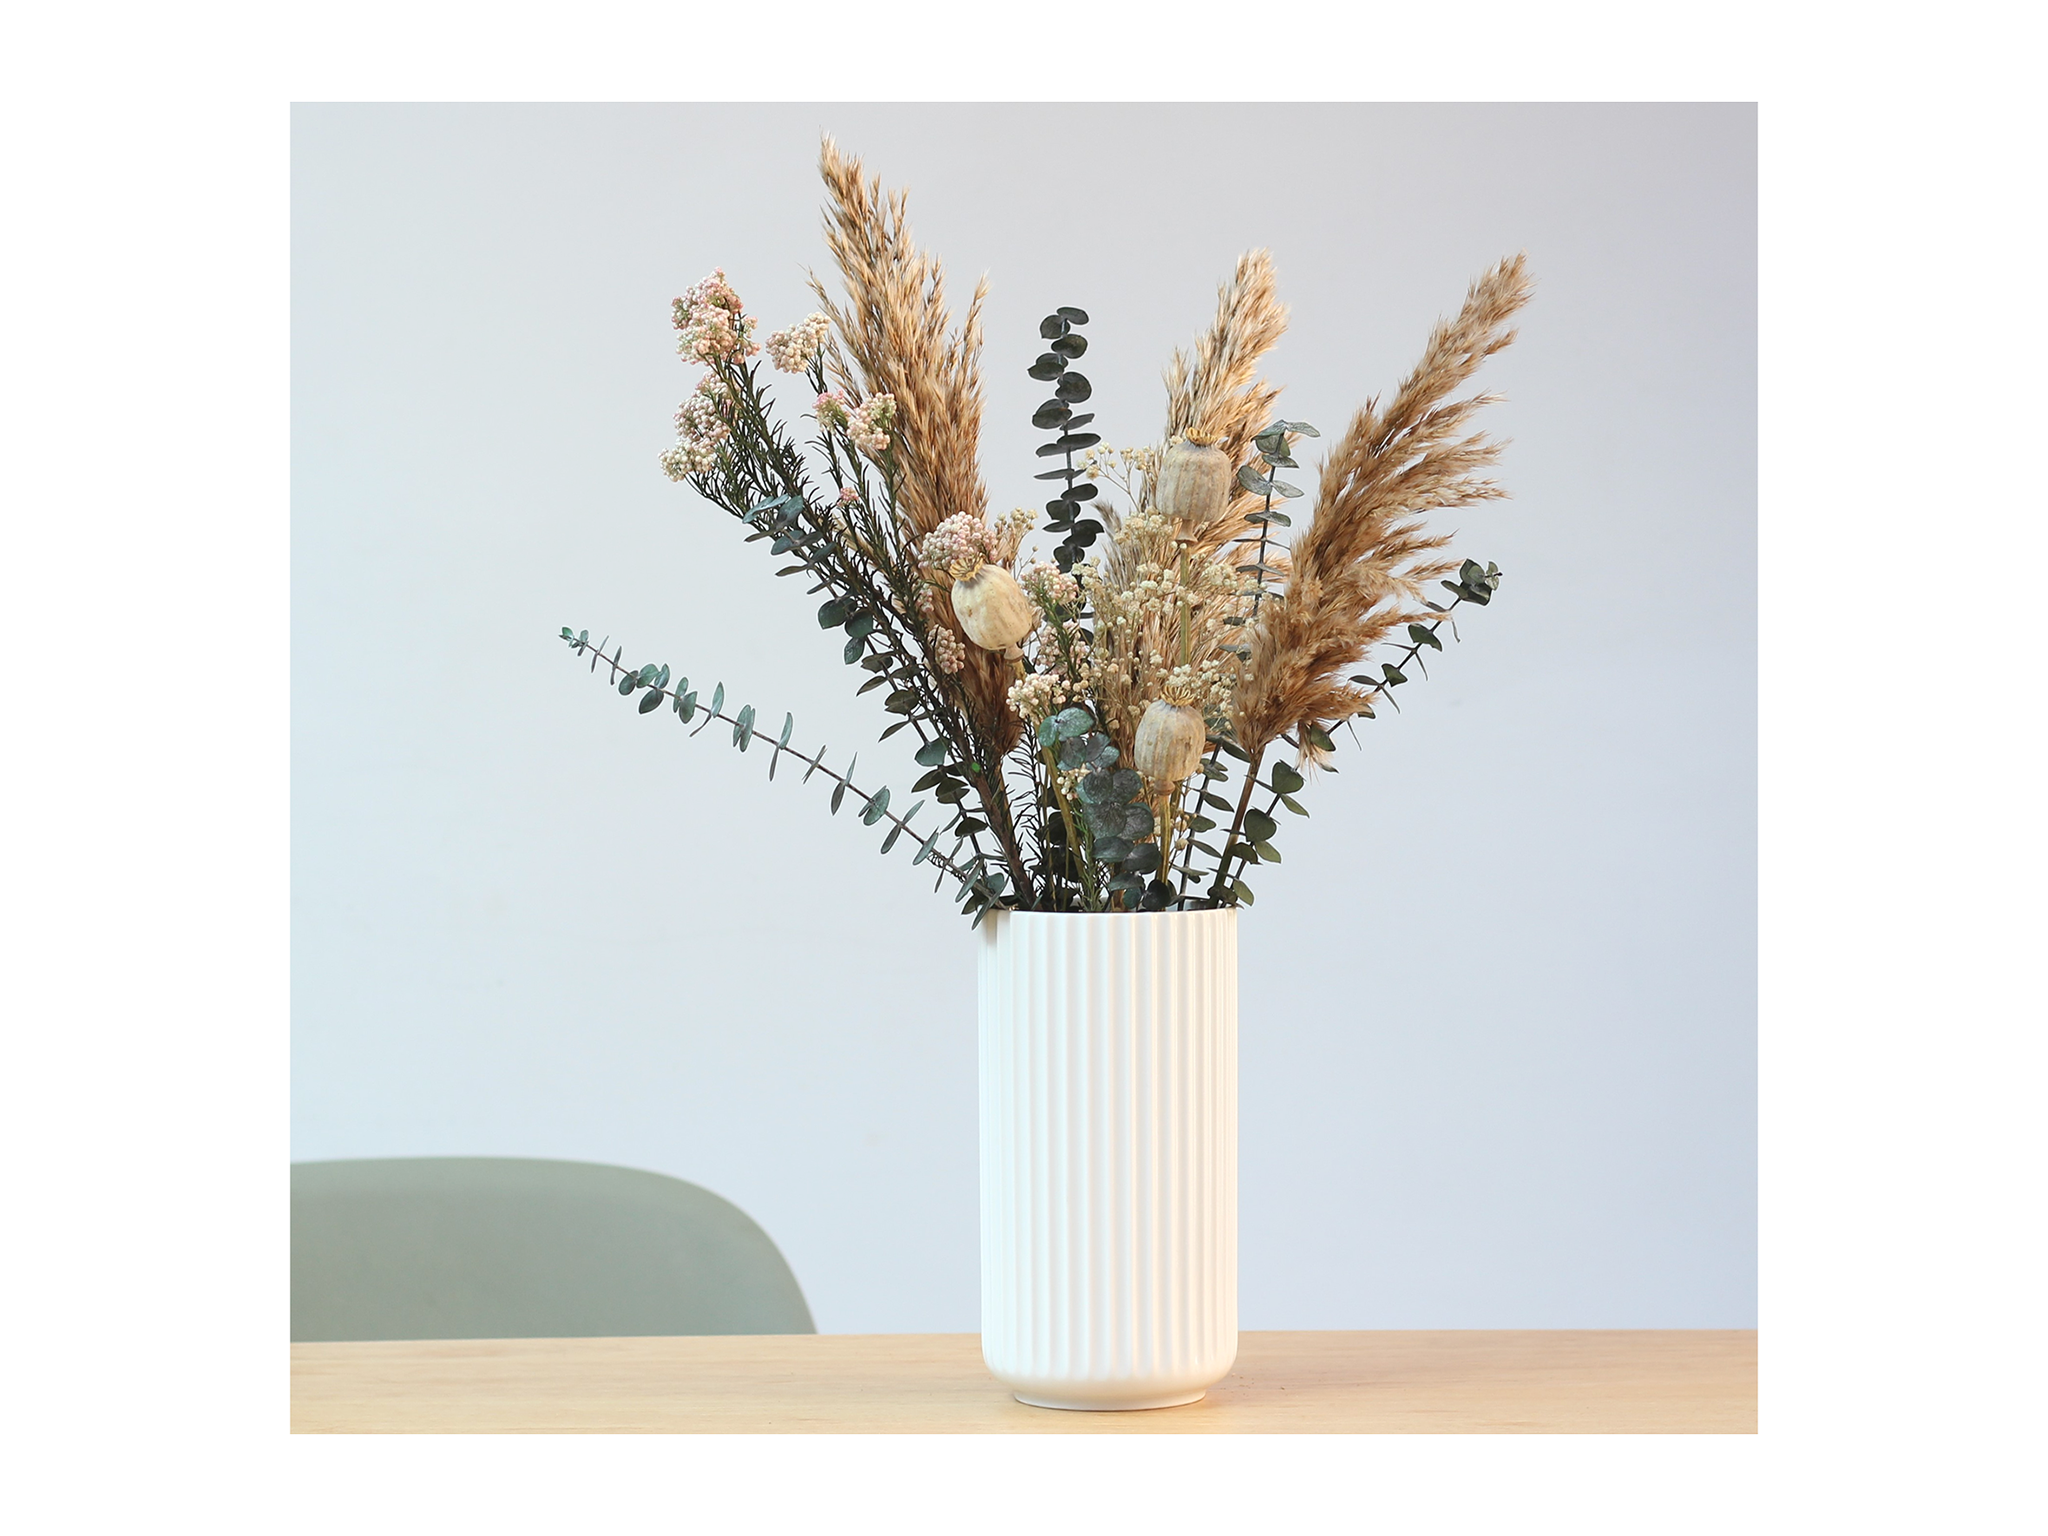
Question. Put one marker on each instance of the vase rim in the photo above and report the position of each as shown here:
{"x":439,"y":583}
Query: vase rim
{"x":1028,"y":912}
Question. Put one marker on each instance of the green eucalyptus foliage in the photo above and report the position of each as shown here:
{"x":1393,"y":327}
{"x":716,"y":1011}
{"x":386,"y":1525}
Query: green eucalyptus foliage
{"x":1065,"y":513}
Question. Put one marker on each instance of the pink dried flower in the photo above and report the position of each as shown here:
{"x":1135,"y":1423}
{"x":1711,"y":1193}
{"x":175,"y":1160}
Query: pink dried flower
{"x":713,"y":326}
{"x":797,"y":348}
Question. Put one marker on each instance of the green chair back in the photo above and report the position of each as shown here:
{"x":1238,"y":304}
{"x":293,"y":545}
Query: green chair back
{"x":520,"y":1248}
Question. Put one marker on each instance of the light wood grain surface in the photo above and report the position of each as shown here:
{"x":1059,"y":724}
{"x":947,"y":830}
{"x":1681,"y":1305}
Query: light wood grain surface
{"x":1633,"y":1382}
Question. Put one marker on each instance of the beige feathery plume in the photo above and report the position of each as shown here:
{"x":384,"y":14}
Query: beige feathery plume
{"x":1361,"y":567}
{"x":1218,"y":394}
{"x":895,"y":326}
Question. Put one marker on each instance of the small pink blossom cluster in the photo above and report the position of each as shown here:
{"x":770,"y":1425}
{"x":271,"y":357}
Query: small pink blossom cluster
{"x":1010,"y":529}
{"x":700,"y":430}
{"x":1050,"y":587}
{"x":714,"y":329}
{"x":797,"y":348}
{"x":961,"y":537}
{"x":848,"y":496}
{"x":870,"y":422}
{"x":687,"y":459}
{"x":867,"y":424}
{"x":949,"y":651}
{"x":1040,"y":695}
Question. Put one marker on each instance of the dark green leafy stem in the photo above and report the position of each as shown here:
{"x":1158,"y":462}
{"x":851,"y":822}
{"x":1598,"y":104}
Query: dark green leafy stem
{"x":763,"y":479}
{"x":1272,"y":446}
{"x":1252,"y":831}
{"x":653,"y":684}
{"x":1065,"y":511}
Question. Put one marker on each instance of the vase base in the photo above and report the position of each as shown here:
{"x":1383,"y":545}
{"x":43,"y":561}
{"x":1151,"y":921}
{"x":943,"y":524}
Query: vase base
{"x":1116,"y":1405}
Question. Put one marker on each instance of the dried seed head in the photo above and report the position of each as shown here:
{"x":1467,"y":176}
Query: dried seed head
{"x":1169,"y":742}
{"x":992,"y":608}
{"x":1193,"y":485}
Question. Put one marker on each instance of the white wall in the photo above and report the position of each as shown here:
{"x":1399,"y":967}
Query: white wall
{"x":1498,"y":1013}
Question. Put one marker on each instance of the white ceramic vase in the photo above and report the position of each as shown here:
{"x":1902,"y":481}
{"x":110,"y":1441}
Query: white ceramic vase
{"x":1109,"y":1155}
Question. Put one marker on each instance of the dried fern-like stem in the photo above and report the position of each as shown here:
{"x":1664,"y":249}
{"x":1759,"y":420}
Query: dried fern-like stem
{"x":1360,"y":568}
{"x":895,"y":327}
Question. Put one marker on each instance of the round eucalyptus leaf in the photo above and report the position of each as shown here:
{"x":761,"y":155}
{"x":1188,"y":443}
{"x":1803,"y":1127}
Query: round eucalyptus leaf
{"x":1073,"y":721}
{"x":1050,"y":365}
{"x":1052,"y":326}
{"x":1112,"y":850}
{"x":1071,"y":315}
{"x":1074,"y":387}
{"x":1127,"y":784}
{"x":1097,"y":788}
{"x":1137,"y":821}
{"x":1142,"y":859}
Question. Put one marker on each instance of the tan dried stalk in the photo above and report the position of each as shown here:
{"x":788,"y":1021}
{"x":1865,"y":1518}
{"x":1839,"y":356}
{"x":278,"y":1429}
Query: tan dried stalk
{"x":895,"y":326}
{"x":1361,"y":567}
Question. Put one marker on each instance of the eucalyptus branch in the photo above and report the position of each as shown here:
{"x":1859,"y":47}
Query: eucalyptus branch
{"x":1064,"y":511}
{"x":683,"y":700}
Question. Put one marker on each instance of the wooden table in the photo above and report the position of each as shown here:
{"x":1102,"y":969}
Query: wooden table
{"x":1551,"y":1382}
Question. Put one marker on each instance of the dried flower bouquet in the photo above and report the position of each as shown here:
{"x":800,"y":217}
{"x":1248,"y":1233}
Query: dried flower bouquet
{"x":1095,"y":726}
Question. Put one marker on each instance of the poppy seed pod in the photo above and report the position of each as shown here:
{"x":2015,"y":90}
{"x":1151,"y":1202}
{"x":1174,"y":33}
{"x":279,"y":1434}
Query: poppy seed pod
{"x":992,"y":608}
{"x":1193,"y":486}
{"x":1169,"y":743}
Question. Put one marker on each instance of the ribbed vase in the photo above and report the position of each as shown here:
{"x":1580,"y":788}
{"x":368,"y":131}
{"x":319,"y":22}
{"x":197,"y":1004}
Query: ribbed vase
{"x":1109,"y":1155}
